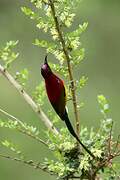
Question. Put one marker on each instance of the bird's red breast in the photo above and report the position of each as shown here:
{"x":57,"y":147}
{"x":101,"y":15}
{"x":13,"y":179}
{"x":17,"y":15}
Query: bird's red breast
{"x":54,"y":88}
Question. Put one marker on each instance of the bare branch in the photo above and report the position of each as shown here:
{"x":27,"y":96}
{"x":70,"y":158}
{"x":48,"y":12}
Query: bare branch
{"x":29,"y":100}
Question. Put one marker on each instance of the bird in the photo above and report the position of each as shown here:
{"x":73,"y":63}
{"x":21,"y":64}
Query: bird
{"x":56,"y":93}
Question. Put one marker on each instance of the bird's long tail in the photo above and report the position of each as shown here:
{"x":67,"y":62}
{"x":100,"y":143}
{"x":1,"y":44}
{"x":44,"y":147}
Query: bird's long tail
{"x":71,"y":130}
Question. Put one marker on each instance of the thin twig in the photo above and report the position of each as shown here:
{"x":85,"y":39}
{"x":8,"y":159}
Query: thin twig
{"x":74,"y":98}
{"x":28,"y":162}
{"x":23,"y":126}
{"x":29,"y":100}
{"x":11,"y":116}
{"x":33,"y":137}
{"x":110,"y":139}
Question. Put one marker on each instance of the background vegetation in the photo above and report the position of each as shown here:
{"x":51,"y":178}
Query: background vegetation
{"x":101,"y":41}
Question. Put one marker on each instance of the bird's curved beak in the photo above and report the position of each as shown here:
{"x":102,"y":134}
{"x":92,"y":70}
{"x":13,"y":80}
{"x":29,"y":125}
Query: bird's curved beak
{"x":46,"y":62}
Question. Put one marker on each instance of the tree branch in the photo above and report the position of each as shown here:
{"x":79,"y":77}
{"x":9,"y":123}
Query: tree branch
{"x":61,"y":39}
{"x":29,"y":100}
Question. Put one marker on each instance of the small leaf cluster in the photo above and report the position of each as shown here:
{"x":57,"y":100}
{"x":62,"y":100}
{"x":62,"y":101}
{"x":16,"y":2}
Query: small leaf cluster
{"x":103,"y":103}
{"x":55,"y":118}
{"x":7,"y":55}
{"x":66,"y":155}
{"x":39,"y":94}
{"x":20,"y":126}
{"x":22,"y":76}
{"x":82,"y":82}
{"x":12,"y":147}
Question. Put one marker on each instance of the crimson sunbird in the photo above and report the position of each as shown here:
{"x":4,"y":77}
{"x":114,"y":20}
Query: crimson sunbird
{"x":57,"y":96}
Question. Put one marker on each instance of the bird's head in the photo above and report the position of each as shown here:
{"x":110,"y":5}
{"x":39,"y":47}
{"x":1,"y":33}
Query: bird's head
{"x":45,"y":69}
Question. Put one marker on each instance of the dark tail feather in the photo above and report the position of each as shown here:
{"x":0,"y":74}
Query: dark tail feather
{"x":71,"y":130}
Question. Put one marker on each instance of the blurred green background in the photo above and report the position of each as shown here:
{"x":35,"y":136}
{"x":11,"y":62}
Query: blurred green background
{"x":101,"y":65}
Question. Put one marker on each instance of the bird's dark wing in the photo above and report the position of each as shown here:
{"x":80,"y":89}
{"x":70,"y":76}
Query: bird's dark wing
{"x":59,"y":105}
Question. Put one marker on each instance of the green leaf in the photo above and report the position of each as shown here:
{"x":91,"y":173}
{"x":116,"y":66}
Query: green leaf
{"x":83,"y":81}
{"x":103,"y":104}
{"x":22,"y":76}
{"x":84,"y":165}
{"x":77,"y":56}
{"x":50,"y":47}
{"x":29,"y":12}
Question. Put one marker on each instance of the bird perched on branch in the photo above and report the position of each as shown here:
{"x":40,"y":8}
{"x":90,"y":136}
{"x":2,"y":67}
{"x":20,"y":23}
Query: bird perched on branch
{"x":57,"y":96}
